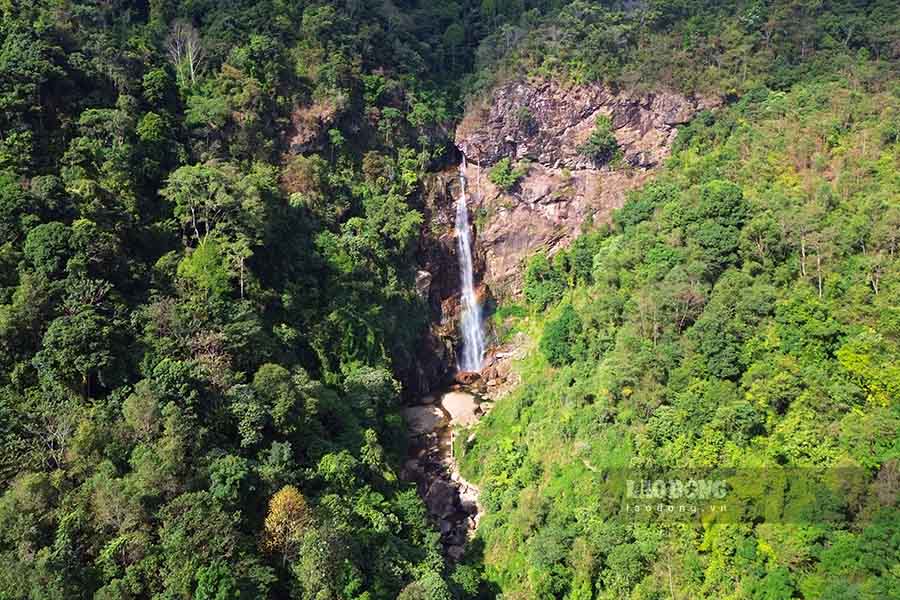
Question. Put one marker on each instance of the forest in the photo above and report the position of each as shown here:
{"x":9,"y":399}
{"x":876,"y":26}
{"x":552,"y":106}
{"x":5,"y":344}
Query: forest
{"x":209,"y":218}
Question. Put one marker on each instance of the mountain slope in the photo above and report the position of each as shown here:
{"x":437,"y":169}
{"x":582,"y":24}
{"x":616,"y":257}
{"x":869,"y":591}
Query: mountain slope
{"x":741,"y":312}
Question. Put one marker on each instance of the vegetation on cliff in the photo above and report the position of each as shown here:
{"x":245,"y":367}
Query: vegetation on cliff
{"x":740,"y":312}
{"x":719,"y":47}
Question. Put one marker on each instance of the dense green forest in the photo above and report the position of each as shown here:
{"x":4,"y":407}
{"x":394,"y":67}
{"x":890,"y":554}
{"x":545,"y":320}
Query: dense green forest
{"x":209,"y":212}
{"x":200,"y":331}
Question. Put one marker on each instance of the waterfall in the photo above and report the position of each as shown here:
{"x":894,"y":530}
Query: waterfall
{"x":473,"y":334}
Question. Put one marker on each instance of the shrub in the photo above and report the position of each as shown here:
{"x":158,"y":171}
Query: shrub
{"x":505,"y":176}
{"x":525,"y":119}
{"x":429,"y":587}
{"x":205,"y":268}
{"x":543,"y":284}
{"x":601,"y":146}
{"x":509,"y":310}
{"x":723,"y":201}
{"x":506,"y":320}
{"x":581,"y":256}
{"x":560,"y":336}
{"x":640,"y":204}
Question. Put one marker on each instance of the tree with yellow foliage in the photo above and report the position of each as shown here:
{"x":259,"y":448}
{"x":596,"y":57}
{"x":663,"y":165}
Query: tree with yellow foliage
{"x":286,"y":522}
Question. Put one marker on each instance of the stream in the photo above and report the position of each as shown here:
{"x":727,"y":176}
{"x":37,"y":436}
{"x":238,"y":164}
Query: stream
{"x":451,"y":501}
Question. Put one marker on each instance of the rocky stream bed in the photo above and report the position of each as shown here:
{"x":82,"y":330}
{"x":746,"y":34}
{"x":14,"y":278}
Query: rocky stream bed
{"x":452,"y":502}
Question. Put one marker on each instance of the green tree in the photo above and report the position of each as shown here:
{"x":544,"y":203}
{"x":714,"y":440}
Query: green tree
{"x":560,"y":336}
{"x":47,"y":248}
{"x":543,"y":284}
{"x":429,"y":587}
{"x":215,"y":582}
{"x":12,"y":206}
{"x":230,"y":480}
{"x":77,"y":350}
{"x":206,"y":269}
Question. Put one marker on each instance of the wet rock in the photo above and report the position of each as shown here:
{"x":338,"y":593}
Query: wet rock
{"x":433,"y":359}
{"x":456,"y":537}
{"x":497,"y":377}
{"x":451,"y":501}
{"x":467,"y":377}
{"x":412,"y":469}
{"x":441,"y":499}
{"x":469,"y":504}
{"x":423,"y":283}
{"x":455,"y":552}
{"x":437,"y":256}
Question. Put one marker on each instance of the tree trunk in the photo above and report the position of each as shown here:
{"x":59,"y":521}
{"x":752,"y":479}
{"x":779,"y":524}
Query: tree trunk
{"x":242,"y":278}
{"x":803,"y":256}
{"x":819,"y":272}
{"x":194,"y":222}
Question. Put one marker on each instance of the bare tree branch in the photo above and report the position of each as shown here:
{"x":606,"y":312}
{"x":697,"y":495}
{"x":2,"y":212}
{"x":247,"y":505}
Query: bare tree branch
{"x":185,"y":50}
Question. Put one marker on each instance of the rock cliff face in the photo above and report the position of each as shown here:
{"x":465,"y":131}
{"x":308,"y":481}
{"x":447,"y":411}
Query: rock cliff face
{"x":544,"y":123}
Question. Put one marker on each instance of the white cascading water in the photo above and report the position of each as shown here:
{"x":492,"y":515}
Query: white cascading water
{"x":473,"y":334}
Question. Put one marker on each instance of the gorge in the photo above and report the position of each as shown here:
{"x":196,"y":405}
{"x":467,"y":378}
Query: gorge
{"x":468,"y":264}
{"x":435,"y":420}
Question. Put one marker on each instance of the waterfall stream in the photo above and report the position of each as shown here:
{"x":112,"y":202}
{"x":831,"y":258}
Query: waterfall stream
{"x":472,"y":328}
{"x":435,"y":420}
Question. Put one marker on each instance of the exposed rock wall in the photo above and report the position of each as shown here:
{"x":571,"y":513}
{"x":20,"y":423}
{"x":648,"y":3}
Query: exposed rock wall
{"x":544,"y":123}
{"x":309,"y":123}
